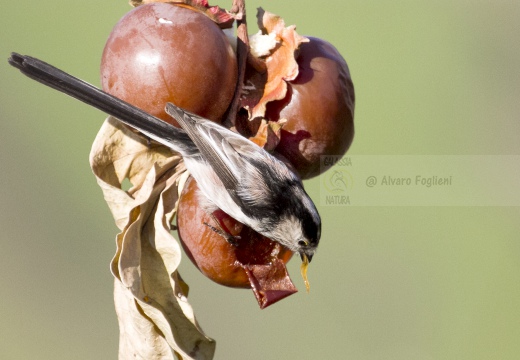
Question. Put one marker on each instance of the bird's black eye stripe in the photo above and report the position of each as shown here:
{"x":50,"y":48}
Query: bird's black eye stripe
{"x":302,"y":243}
{"x":310,"y":228}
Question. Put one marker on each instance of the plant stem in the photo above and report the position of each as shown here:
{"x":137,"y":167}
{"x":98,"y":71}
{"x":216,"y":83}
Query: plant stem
{"x":239,"y":9}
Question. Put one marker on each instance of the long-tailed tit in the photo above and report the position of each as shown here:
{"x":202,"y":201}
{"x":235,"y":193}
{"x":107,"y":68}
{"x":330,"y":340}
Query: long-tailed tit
{"x":234,"y":174}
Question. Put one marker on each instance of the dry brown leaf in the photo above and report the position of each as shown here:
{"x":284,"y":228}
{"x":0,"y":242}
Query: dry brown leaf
{"x":281,"y":62}
{"x":155,"y":318}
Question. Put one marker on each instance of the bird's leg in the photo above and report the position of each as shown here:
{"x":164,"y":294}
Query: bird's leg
{"x":219,"y":229}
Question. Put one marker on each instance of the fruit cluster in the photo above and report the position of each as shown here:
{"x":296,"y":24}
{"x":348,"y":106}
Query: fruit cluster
{"x":163,"y":52}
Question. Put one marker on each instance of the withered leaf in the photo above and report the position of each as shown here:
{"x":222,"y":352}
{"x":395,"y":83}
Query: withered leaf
{"x":155,"y":318}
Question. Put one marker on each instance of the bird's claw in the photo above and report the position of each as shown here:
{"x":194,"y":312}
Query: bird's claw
{"x":232,"y":239}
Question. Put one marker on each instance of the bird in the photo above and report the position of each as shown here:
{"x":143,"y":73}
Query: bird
{"x":233,"y":174}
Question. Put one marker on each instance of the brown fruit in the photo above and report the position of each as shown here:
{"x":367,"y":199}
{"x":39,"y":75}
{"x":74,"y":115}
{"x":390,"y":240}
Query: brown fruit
{"x":253,"y":262}
{"x":319,"y":107}
{"x":160,"y":52}
{"x":211,"y":253}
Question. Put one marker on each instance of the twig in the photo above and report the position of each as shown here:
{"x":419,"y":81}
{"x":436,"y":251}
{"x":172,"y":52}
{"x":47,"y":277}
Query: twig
{"x":239,"y":9}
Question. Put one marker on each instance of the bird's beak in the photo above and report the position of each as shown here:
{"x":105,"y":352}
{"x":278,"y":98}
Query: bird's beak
{"x":306,"y":257}
{"x":303,"y":269}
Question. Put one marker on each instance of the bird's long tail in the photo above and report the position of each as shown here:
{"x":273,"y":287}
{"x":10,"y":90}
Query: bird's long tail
{"x":149,"y":125}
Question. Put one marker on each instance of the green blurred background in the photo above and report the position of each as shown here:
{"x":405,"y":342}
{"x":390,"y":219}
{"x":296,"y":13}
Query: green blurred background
{"x":432,"y":77}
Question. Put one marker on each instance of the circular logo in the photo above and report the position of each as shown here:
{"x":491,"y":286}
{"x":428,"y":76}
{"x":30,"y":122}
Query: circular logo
{"x":337,"y":181}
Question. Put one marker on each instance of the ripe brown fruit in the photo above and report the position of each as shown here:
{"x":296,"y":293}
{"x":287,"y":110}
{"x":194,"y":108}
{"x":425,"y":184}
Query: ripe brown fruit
{"x":161,"y":52}
{"x":254,"y":262}
{"x":319,"y":107}
{"x":215,"y":257}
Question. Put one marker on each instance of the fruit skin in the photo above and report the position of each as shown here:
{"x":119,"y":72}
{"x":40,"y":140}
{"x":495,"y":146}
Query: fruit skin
{"x":160,"y":52}
{"x":216,"y":258}
{"x":319,"y":108}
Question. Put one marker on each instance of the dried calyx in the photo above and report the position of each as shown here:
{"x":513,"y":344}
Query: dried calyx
{"x":221,"y":17}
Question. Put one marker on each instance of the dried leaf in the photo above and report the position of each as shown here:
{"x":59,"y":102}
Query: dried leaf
{"x":154,"y":316}
{"x":133,"y":325}
{"x":281,"y":62}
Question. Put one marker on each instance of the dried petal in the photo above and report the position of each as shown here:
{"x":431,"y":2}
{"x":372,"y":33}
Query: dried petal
{"x":268,"y":134}
{"x":270,"y":283}
{"x":154,"y":316}
{"x":281,"y":62}
{"x":262,"y":44}
{"x":253,"y":89}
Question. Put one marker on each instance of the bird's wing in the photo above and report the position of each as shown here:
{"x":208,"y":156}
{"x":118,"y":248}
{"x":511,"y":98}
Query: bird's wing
{"x":223,"y":158}
{"x":247,"y":171}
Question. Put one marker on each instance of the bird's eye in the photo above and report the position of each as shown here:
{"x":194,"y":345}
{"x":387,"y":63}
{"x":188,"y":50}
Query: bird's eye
{"x":303,"y":243}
